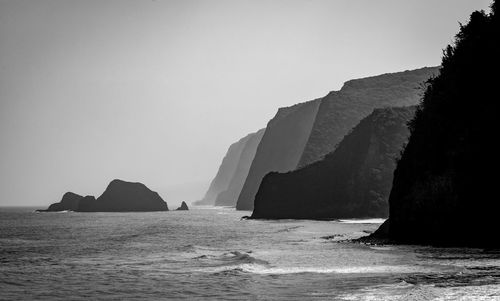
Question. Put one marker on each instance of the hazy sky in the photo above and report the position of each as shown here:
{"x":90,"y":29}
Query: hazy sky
{"x":156,"y":91}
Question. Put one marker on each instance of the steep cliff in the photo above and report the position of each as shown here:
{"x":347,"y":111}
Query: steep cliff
{"x":444,"y":190}
{"x":336,"y":114}
{"x":225,"y":173}
{"x":354,"y":181}
{"x":229,"y":196}
{"x":341,"y":110}
{"x":121,"y":196}
{"x":280,"y":148}
{"x":69,"y":201}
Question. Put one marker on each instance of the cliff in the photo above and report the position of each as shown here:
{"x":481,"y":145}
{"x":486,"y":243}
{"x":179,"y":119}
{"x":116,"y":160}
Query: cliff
{"x":229,"y":196}
{"x":280,"y":148}
{"x":341,"y":110}
{"x":69,"y":202}
{"x":288,"y":147}
{"x":354,"y":181}
{"x":445,"y":185}
{"x":121,"y":196}
{"x":225,"y":173}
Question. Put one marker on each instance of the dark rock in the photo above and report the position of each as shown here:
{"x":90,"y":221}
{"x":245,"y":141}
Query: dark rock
{"x":280,"y":148}
{"x":183,"y":206}
{"x":69,"y":202}
{"x":354,"y":181}
{"x":445,"y":185}
{"x":229,"y":196}
{"x":121,"y":196}
{"x":303,"y":134}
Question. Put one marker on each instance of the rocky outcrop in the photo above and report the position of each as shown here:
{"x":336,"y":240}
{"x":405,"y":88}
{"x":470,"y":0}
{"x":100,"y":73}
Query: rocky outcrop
{"x":444,"y":190}
{"x":303,"y":134}
{"x":225,"y":173}
{"x":280,"y":148}
{"x":121,"y":196}
{"x":183,"y":206}
{"x":229,"y":196}
{"x":354,"y":181}
{"x":69,"y":202}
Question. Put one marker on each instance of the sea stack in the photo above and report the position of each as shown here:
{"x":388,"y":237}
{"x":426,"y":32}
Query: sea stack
{"x":119,"y":196}
{"x":69,"y":202}
{"x":183,"y":206}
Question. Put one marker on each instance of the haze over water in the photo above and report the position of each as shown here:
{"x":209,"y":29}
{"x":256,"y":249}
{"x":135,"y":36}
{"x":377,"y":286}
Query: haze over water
{"x":156,"y":91}
{"x":213,"y":254}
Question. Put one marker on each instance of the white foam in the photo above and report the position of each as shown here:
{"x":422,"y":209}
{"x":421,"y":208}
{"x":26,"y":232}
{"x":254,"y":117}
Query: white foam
{"x":363,"y":221}
{"x":266,"y":269}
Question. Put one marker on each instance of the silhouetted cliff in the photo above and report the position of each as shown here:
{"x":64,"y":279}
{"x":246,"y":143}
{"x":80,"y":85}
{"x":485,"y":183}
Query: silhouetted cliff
{"x":444,"y":190}
{"x":121,"y":196}
{"x":229,"y":196}
{"x":285,"y":148}
{"x":69,"y":201}
{"x":354,"y":181}
{"x":225,"y":173}
{"x":280,"y":148}
{"x":341,"y":110}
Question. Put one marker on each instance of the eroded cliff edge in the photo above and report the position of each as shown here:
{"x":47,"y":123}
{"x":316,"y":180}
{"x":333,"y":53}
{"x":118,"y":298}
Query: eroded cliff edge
{"x":229,"y":196}
{"x":225,"y":172}
{"x":280,"y":148}
{"x":286,"y":146}
{"x":354,"y":181}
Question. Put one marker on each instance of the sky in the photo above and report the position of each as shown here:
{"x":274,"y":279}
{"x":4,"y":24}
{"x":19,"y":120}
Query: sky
{"x":156,"y":91}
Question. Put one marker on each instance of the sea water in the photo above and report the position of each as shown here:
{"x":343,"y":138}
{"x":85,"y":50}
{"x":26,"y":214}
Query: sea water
{"x":213,"y":254}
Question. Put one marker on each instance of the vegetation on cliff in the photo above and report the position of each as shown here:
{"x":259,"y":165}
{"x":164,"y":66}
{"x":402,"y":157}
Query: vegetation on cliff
{"x":444,"y":190}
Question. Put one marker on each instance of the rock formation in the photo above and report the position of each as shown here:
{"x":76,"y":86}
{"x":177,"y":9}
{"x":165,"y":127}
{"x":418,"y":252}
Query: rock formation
{"x":303,"y":134}
{"x":444,"y":190}
{"x":229,"y":196}
{"x":121,"y":196}
{"x":354,"y":181}
{"x":183,"y":206}
{"x":225,"y":173}
{"x":69,"y":202}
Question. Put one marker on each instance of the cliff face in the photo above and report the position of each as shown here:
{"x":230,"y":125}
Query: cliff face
{"x":229,"y":196}
{"x":121,"y":196}
{"x":280,"y":148}
{"x":69,"y":201}
{"x":225,"y":173}
{"x":352,"y":182}
{"x":341,"y":110}
{"x":334,"y":115}
{"x":444,"y":190}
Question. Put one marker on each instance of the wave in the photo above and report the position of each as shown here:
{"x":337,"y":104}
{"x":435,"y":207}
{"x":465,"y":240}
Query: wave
{"x":363,"y":221}
{"x":266,"y":269}
{"x":232,"y":258}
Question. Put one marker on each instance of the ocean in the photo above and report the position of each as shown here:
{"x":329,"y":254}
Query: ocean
{"x":213,"y":254}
